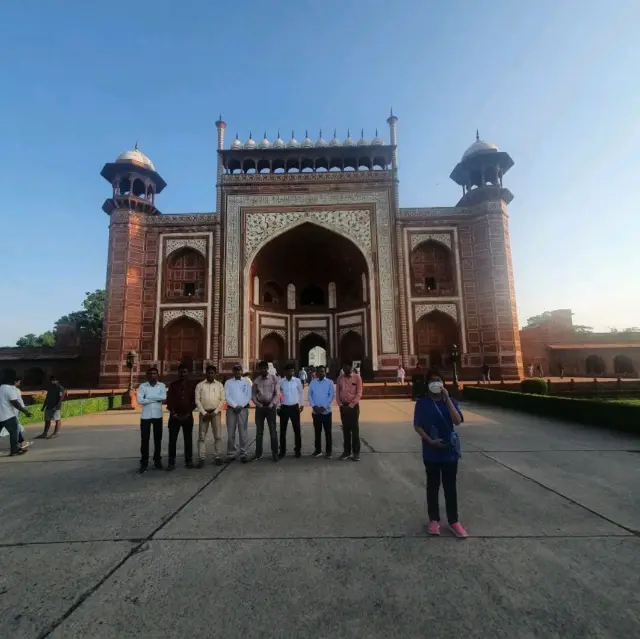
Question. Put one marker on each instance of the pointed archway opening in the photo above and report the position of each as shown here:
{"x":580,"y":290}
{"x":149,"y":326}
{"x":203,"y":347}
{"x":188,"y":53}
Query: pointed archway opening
{"x":351,"y":347}
{"x":435,"y":333}
{"x":273,"y":350}
{"x":317,"y":344}
{"x":183,"y":343}
{"x":594,"y":365}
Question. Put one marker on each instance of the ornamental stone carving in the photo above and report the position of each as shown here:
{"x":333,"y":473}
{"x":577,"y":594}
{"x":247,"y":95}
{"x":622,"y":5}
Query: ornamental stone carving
{"x":269,"y":331}
{"x":349,"y":329}
{"x":256,"y":290}
{"x":419,"y":238}
{"x":449,"y":211}
{"x":332,"y":295}
{"x":420,"y":310}
{"x":365,"y":288}
{"x":196,"y":243}
{"x":322,"y":332}
{"x":234,"y":278}
{"x":194,"y":314}
{"x":260,"y":228}
{"x":291,"y":297}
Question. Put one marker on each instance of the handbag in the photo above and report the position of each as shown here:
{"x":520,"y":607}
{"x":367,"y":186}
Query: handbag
{"x":454,"y":438}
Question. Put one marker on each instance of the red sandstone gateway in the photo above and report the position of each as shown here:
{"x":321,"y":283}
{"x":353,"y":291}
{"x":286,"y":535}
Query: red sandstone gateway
{"x":309,"y":256}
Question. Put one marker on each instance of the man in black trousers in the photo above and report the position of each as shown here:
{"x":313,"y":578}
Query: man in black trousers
{"x":292,"y":404}
{"x":181,"y":402}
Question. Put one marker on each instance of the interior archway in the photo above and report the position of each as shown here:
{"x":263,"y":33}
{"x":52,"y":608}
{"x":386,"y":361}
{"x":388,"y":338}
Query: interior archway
{"x":595,"y":365}
{"x":435,"y":333}
{"x":185,"y":276}
{"x":622,"y":365}
{"x":351,"y":347}
{"x":183,"y":342}
{"x":34,"y":377}
{"x":273,"y":349}
{"x":432,"y":271}
{"x":308,"y":343}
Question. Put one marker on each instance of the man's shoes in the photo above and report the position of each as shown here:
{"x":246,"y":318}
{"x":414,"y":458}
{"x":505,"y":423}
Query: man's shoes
{"x":274,"y":457}
{"x":328,"y":456}
{"x":344,"y":456}
{"x":282,"y":453}
{"x":217,"y":461}
{"x":158,"y":465}
{"x":298,"y":455}
{"x":316,"y":455}
{"x":171,"y":467}
{"x":356,"y":458}
{"x":188,"y":464}
{"x":228,"y":460}
{"x":244,"y":459}
{"x":42,"y":436}
{"x":142,"y":470}
{"x":257,"y":458}
{"x":200,"y":463}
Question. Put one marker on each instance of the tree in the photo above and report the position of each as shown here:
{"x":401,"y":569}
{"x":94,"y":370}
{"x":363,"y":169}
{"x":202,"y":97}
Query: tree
{"x":538,"y":320}
{"x":630,"y":329}
{"x":91,"y":318}
{"x":31,"y":340}
{"x":582,"y":329}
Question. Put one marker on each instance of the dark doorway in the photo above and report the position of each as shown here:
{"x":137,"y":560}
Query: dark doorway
{"x":595,"y":365}
{"x":307,"y":343}
{"x":351,"y":347}
{"x":312,"y":295}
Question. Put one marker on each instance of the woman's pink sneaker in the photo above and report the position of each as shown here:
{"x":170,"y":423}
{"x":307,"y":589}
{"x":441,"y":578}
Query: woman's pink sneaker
{"x":458,"y":530}
{"x":433,"y":528}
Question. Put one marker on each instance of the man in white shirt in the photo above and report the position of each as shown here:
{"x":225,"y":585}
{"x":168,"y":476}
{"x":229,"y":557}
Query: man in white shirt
{"x":400,"y":375}
{"x":292,"y":404}
{"x":10,"y":405}
{"x":151,"y":394}
{"x":237,"y":392}
{"x":302,"y":376}
{"x":209,"y":402}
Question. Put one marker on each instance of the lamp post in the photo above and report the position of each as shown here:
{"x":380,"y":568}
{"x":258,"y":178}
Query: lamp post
{"x":455,"y":353}
{"x":127,"y":401}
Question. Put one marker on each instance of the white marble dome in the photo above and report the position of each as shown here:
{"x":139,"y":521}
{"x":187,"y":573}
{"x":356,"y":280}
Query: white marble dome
{"x":265,"y":144}
{"x":334,"y":140}
{"x":279,"y":142}
{"x":307,"y":143}
{"x":293,"y":143}
{"x":236,"y":145}
{"x":348,"y":140}
{"x":250,"y":143}
{"x":479,"y":146}
{"x":362,"y":141}
{"x":321,"y":142}
{"x":136,"y":157}
{"x":377,"y":141}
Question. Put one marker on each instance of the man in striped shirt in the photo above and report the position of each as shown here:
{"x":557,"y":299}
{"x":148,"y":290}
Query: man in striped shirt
{"x":348,"y":395}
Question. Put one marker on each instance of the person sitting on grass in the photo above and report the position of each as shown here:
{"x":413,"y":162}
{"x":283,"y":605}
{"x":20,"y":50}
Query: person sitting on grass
{"x":436,"y":415}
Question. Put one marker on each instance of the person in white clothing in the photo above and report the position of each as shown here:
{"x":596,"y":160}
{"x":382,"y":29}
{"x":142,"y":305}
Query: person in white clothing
{"x":291,"y":406}
{"x":302,"y":376}
{"x":400,"y":375}
{"x":237,"y":393}
{"x":209,"y":402}
{"x":151,"y":394}
{"x":10,"y":405}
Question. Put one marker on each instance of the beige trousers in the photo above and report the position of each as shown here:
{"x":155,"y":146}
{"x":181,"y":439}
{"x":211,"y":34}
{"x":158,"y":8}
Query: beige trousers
{"x":216,"y":428}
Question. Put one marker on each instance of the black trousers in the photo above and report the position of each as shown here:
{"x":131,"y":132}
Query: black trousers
{"x":290,"y":413}
{"x":268,"y":414}
{"x":351,"y":429}
{"x":145,"y":436}
{"x":175,"y":424}
{"x":320,"y":423}
{"x":445,"y":473}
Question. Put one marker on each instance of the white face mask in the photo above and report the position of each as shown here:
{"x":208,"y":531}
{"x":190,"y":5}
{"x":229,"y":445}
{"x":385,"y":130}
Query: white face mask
{"x":435,"y":387}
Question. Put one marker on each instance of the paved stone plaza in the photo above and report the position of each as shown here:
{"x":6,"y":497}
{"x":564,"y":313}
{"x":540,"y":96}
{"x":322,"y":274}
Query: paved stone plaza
{"x":317,"y":548}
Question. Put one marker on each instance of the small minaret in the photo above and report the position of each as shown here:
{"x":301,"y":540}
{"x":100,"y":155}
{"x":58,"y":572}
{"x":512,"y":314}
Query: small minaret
{"x":135,"y":183}
{"x":480,"y":172}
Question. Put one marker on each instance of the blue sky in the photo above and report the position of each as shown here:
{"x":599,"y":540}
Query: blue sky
{"x":553,"y":83}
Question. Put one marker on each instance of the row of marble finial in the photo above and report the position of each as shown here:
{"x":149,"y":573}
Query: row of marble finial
{"x":307,"y":143}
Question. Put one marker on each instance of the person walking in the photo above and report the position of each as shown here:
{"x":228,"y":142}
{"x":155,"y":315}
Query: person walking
{"x":539,"y":370}
{"x":435,"y":417}
{"x":265,"y":398}
{"x":302,"y":376}
{"x":181,"y":402}
{"x":237,"y":392}
{"x":321,"y":394}
{"x":209,"y":402}
{"x":52,"y":409}
{"x":151,"y":394}
{"x":10,"y":405}
{"x":400,"y":373}
{"x":530,"y":370}
{"x":486,"y":373}
{"x":291,"y":406}
{"x":348,"y":396}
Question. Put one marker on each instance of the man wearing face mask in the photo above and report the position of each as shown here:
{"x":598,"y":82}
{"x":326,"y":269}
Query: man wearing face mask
{"x":436,"y":415}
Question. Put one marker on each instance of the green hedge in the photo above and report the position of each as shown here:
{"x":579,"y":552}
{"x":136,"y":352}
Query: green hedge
{"x":593,"y":412}
{"x":535,"y":385}
{"x":75,"y":408}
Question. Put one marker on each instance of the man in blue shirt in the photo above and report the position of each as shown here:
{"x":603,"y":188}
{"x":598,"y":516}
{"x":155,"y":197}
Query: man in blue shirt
{"x":321,"y":394}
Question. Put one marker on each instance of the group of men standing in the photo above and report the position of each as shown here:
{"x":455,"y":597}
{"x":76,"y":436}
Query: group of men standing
{"x":272,"y":397}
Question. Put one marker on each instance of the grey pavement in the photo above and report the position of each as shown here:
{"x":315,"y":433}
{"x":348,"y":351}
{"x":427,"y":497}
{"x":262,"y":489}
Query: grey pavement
{"x":318,"y":548}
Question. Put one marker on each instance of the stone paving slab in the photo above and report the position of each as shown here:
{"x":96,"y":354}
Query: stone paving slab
{"x":606,"y":482}
{"x":383,"y":588}
{"x":80,"y":501}
{"x":39,"y":583}
{"x":383,"y":495}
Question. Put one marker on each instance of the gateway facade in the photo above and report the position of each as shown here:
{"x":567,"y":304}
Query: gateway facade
{"x":309,"y":252}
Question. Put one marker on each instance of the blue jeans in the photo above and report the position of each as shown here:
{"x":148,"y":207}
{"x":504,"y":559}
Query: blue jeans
{"x":13,"y":426}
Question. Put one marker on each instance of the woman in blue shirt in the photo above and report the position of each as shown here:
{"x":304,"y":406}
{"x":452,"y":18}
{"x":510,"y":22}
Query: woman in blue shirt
{"x":436,"y":415}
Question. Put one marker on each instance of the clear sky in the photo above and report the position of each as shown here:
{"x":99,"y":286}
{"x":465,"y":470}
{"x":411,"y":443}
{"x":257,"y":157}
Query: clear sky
{"x":554,"y":83}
